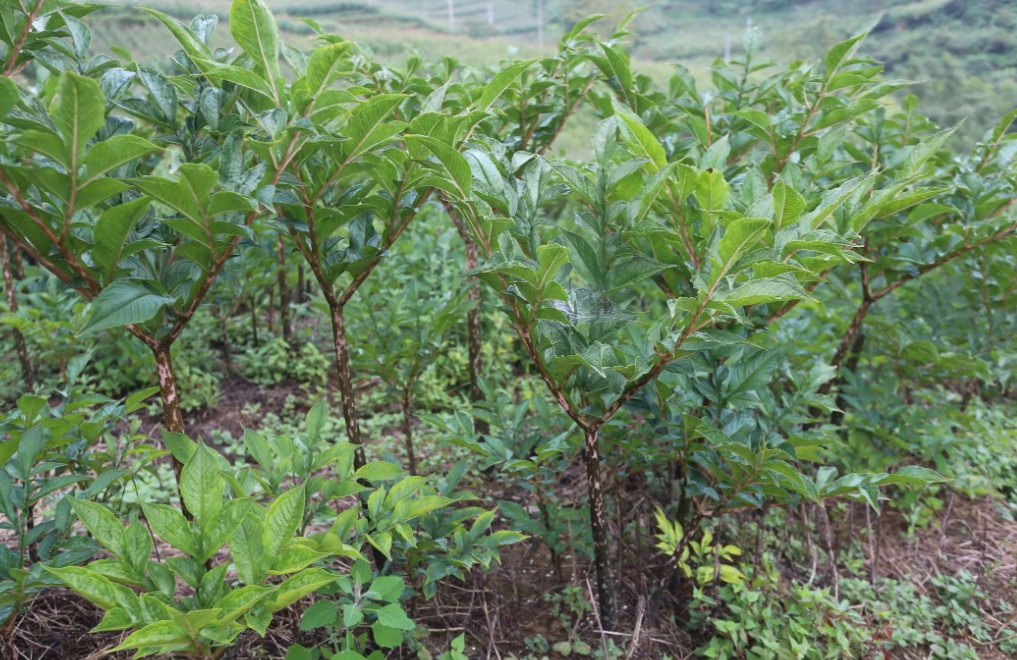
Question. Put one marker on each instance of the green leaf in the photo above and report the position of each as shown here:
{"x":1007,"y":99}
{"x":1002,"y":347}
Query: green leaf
{"x":240,"y":601}
{"x":739,"y":236}
{"x":912,"y":475}
{"x":124,"y":302}
{"x":378,"y":471}
{"x":295,"y":558}
{"x":114,"y":152}
{"x":923,"y":151}
{"x":222,"y":526}
{"x":799,"y":482}
{"x":202,"y":486}
{"x":765,"y":290}
{"x":384,"y":636}
{"x":585,"y":259}
{"x":238,"y":76}
{"x":389,"y":588}
{"x":367,"y":127}
{"x":169,"y":523}
{"x":393,"y":616}
{"x":188,"y":40}
{"x":639,"y":138}
{"x":139,"y":546}
{"x":632,"y":271}
{"x":89,"y":585}
{"x":323,"y":68}
{"x":104,"y":526}
{"x":298,"y":586}
{"x":9,"y":95}
{"x":321,"y":614}
{"x":712,"y":191}
{"x":111,"y":231}
{"x":179,"y":445}
{"x":79,"y":112}
{"x":283,"y":519}
{"x":315,"y":421}
{"x":115,"y":619}
{"x":158,"y":634}
{"x":788,"y":205}
{"x":247,"y":545}
{"x":615,"y":66}
{"x":500,"y":83}
{"x":716,"y":156}
{"x":456,"y":168}
{"x":836,"y":55}
{"x":253,"y":27}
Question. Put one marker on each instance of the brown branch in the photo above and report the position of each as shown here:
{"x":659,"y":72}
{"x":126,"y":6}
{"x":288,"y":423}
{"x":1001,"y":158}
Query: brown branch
{"x":12,"y":58}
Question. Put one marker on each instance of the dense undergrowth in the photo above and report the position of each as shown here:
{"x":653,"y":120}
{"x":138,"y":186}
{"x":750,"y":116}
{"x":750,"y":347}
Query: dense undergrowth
{"x":311,"y":356}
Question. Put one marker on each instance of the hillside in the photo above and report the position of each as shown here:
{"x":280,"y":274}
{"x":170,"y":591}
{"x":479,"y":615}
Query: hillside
{"x":963,"y":50}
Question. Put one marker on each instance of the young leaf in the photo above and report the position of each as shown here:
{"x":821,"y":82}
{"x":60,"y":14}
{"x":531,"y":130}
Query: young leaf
{"x":254,"y":28}
{"x":104,"y":526}
{"x":79,"y":112}
{"x":282,"y":520}
{"x":202,"y":485}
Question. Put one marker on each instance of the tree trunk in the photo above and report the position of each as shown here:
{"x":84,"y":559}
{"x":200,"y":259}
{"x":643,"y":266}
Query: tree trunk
{"x":284,"y":292}
{"x":300,"y":284}
{"x":474,"y":337}
{"x":847,"y":340}
{"x":598,"y":524}
{"x":226,"y":346}
{"x":170,"y":406}
{"x":271,"y":307}
{"x":254,"y":321}
{"x":349,"y":406}
{"x":19,"y":263}
{"x":27,"y":370}
{"x":349,"y":402}
{"x":837,"y":416}
{"x":408,"y":431}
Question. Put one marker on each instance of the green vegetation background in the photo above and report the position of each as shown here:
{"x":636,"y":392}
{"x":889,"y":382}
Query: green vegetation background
{"x":964,"y":52}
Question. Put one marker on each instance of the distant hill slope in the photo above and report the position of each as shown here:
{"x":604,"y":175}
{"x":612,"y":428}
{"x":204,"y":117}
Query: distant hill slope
{"x":964,"y":50}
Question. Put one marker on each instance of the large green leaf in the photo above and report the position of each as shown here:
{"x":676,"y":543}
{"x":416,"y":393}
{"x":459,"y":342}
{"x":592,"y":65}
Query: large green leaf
{"x":124,"y":302}
{"x":112,"y":153}
{"x":89,"y":585}
{"x":765,"y":290}
{"x":325,"y":66}
{"x":247,"y":545}
{"x":253,"y":27}
{"x":189,"y":41}
{"x":282,"y":520}
{"x":169,"y":523}
{"x":104,"y":526}
{"x":111,"y":231}
{"x":370,"y":127}
{"x":202,"y":485}
{"x":79,"y":112}
{"x":222,"y":526}
{"x":159,"y":634}
{"x":500,"y":83}
{"x":298,"y":586}
{"x":456,"y":169}
{"x":9,"y":95}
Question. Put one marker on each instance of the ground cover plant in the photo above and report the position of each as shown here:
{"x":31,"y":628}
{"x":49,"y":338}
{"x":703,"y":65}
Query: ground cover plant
{"x":720,"y":388}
